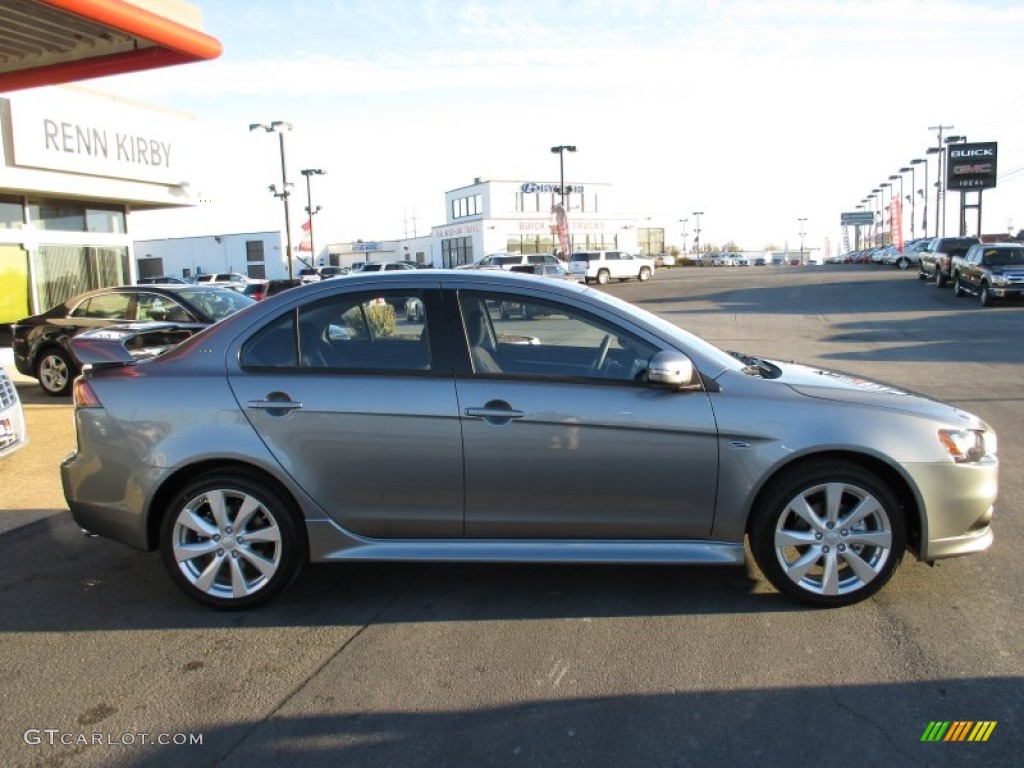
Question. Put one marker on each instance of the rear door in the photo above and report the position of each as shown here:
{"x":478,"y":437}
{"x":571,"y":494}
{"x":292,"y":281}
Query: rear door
{"x":357,"y":403}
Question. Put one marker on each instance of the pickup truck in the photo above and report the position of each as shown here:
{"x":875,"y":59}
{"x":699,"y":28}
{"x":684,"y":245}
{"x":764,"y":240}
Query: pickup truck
{"x":990,"y":271}
{"x":936,"y":260}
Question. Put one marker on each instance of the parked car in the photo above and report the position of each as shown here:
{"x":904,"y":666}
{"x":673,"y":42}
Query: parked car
{"x":603,"y":266}
{"x":230,"y":279}
{"x":328,"y":272}
{"x":12,"y":417}
{"x":41,"y":342}
{"x":937,"y":258}
{"x":664,"y":260}
{"x":507,"y":261}
{"x":261,"y":289}
{"x":385,"y":266}
{"x":239,"y":466}
{"x":990,"y":271}
{"x":309,"y":275}
{"x":911,"y":254}
{"x":163,"y":280}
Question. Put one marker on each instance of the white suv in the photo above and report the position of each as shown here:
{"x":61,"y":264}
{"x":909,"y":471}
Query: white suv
{"x":606,"y":265}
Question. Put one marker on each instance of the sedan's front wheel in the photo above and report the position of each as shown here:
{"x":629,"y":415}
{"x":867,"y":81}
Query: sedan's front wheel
{"x":828,"y":533}
{"x":231,"y":541}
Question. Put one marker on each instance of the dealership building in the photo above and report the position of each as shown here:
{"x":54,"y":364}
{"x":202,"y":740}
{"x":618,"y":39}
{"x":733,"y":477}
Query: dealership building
{"x":484,"y":217}
{"x":75,"y":163}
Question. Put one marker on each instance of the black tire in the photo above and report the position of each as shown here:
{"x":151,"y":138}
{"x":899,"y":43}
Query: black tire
{"x":940,"y":280}
{"x":603,"y":277}
{"x":921,"y":275}
{"x":645,"y":275}
{"x":261,"y":559}
{"x":846,"y":565}
{"x":958,"y":288}
{"x":903,"y":263}
{"x":985,"y":295}
{"x":56,"y":372}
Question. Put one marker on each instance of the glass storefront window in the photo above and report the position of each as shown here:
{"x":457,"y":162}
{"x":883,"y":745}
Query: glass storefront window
{"x":74,"y":216}
{"x":11,"y":213}
{"x":64,"y":271}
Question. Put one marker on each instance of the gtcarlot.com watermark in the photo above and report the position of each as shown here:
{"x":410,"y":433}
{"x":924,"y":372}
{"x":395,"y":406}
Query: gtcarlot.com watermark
{"x":54,"y":737}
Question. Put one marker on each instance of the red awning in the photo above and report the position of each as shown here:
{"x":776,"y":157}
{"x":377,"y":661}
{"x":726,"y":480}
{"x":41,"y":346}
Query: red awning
{"x":47,"y":42}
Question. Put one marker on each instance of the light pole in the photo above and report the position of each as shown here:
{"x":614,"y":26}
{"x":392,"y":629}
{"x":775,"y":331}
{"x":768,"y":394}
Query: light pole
{"x":938,"y":185}
{"x":279,"y":127}
{"x":307,"y":172}
{"x":913,"y":196}
{"x":802,"y":220}
{"x":560,"y":150}
{"x":885,"y":204}
{"x":876,"y":238}
{"x":962,"y":228}
{"x":903,"y":198}
{"x":696,"y":240}
{"x":683,"y":222}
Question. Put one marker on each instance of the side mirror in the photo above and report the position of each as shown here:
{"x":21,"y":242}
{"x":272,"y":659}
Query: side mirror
{"x":670,"y":369}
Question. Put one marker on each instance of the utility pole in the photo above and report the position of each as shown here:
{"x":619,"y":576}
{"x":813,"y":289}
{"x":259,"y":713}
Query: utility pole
{"x":940,"y":185}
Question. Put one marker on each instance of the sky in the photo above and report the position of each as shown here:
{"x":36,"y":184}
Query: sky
{"x":759,"y":113}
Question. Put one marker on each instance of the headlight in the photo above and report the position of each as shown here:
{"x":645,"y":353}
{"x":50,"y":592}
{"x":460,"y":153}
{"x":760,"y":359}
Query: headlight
{"x":968,"y":445}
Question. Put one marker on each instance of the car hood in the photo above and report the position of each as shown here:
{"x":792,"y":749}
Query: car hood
{"x":848,"y":388}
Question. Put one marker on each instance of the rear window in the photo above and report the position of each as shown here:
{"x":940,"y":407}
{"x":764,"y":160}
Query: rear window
{"x":583,"y":256}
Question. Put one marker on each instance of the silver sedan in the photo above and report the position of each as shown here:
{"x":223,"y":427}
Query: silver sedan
{"x":328,"y":423}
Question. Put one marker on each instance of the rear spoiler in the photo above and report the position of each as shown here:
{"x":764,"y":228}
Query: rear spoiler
{"x":127,"y":344}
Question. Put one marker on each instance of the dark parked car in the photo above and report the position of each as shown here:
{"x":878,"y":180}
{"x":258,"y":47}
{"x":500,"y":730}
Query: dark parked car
{"x":261,"y":289}
{"x":936,"y":260}
{"x":40,"y":342}
{"x":322,"y":426}
{"x":164,"y":280}
{"x":990,"y":271}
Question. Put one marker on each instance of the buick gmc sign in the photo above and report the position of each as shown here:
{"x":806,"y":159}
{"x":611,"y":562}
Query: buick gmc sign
{"x":971,"y":166}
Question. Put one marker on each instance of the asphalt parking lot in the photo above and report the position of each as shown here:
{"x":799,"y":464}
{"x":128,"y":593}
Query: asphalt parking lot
{"x":106,"y":663}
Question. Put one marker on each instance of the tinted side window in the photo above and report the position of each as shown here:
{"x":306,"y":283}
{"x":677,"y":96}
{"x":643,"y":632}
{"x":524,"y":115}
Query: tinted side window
{"x":107,"y":306}
{"x":272,"y":347}
{"x":380,"y":331}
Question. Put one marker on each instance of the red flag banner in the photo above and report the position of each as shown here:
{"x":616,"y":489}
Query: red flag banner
{"x":896,"y":222}
{"x":306,"y":244}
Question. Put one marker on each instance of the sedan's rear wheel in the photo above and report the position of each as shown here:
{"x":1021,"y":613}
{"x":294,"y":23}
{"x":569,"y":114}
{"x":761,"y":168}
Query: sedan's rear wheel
{"x":231,"y":541}
{"x":829,"y":533}
{"x":56,"y":372}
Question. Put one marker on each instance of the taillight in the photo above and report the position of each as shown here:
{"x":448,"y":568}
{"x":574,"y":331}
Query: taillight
{"x":85,"y":396}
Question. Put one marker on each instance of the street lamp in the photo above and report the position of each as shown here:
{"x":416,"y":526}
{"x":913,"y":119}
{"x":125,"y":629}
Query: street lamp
{"x":683,"y":222}
{"x":802,"y":221}
{"x":962,"y":227}
{"x":307,"y":172}
{"x":560,"y":150}
{"x":279,"y":127}
{"x":937,"y":185}
{"x":696,"y":240}
{"x":914,"y":192}
{"x":876,"y":195}
{"x":899,"y":207}
{"x":885,"y":204}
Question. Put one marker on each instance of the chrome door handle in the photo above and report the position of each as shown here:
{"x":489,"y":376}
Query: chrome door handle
{"x":274,"y":405}
{"x":494,"y":413}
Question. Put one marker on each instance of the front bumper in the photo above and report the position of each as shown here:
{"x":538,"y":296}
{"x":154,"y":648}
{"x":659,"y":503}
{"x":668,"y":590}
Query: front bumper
{"x":958,"y":503}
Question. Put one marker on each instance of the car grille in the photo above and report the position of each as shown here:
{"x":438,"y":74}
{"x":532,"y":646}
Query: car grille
{"x":1014,"y":278}
{"x":8,"y":394}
